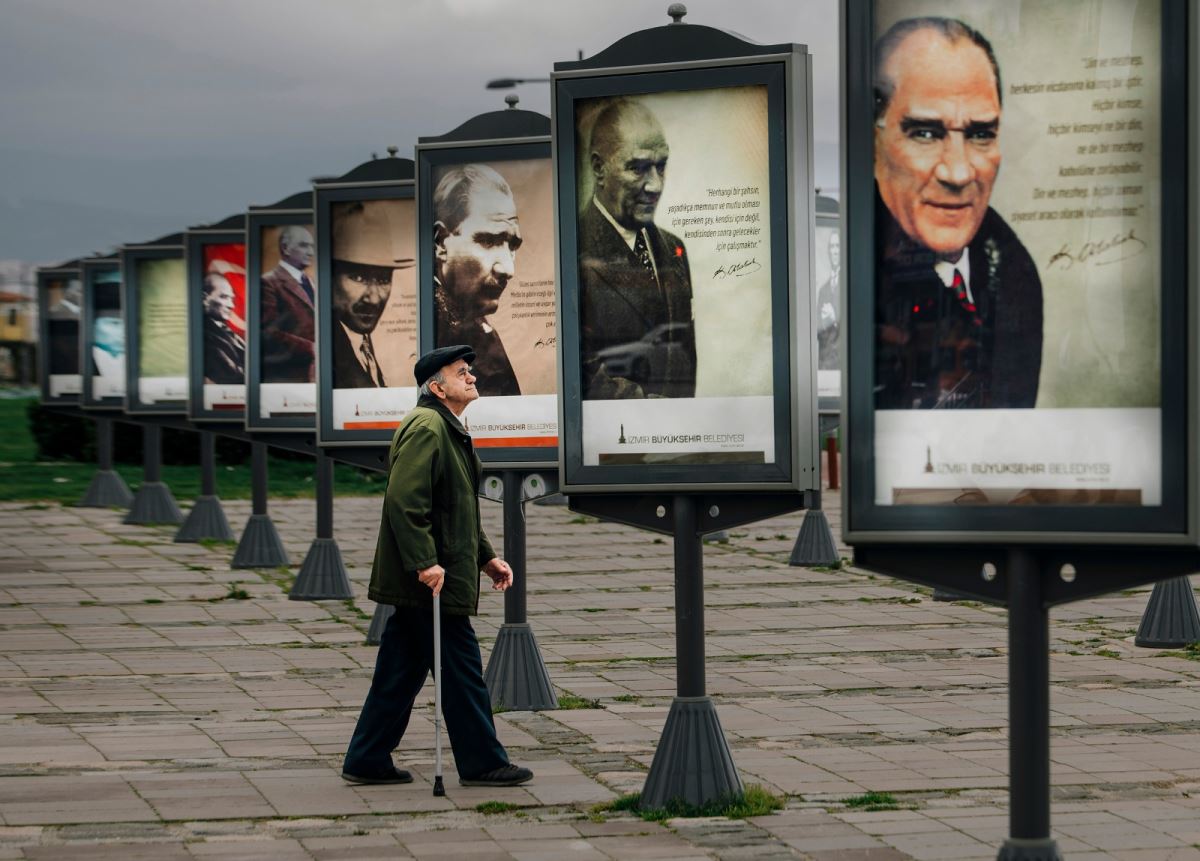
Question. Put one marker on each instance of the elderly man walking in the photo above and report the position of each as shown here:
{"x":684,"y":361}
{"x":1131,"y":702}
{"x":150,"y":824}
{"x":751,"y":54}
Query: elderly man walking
{"x":431,"y":542}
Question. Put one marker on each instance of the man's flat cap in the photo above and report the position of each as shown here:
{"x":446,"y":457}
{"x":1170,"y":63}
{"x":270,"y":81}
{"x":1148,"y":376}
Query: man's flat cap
{"x":435,"y":360}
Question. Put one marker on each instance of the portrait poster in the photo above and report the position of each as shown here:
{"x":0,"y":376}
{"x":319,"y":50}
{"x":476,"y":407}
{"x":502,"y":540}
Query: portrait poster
{"x":162,"y":330}
{"x":827,"y":268}
{"x":107,"y":359}
{"x":492,"y":252}
{"x":373,"y":324}
{"x":1018,"y":286}
{"x":223,"y":305}
{"x":63,"y":301}
{"x":675,"y":277}
{"x":287,"y":321}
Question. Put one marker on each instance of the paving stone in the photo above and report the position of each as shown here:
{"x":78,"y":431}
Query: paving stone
{"x":144,"y":715}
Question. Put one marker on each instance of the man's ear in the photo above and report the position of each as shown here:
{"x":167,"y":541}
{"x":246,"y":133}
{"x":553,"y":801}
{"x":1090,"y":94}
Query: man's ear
{"x":440,"y":232}
{"x":597,"y":169}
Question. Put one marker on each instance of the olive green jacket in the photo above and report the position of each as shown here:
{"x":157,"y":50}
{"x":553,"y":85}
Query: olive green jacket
{"x":431,"y":514}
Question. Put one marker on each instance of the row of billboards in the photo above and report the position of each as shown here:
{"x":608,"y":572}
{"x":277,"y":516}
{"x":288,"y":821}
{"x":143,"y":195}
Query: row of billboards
{"x":1015,"y":347}
{"x":308,"y":314}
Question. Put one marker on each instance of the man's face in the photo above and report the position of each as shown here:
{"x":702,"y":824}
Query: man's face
{"x":458,"y":390}
{"x":218,"y":301}
{"x":360,"y":294}
{"x":835,"y":250}
{"x":629,"y":180}
{"x":297,"y":248}
{"x":479,"y":258}
{"x":937,"y":150}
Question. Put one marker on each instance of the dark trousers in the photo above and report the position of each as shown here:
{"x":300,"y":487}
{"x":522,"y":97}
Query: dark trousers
{"x":404,"y":662}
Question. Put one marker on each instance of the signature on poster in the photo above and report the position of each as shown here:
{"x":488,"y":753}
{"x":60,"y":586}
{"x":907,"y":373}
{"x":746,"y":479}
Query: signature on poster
{"x":737,"y":270}
{"x":1104,"y":252}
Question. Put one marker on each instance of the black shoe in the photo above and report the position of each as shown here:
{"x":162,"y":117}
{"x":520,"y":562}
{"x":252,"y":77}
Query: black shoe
{"x":506,"y":775}
{"x":397,"y":775}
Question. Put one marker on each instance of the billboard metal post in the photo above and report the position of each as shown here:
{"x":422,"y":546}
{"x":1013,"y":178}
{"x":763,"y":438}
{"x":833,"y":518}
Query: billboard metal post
{"x":1028,"y":713}
{"x":516,"y":675}
{"x":815,"y":544}
{"x":260,"y":546}
{"x":153,"y":502}
{"x":379,"y":620}
{"x":207,"y":517}
{"x":1171,"y":619}
{"x":323,"y":574}
{"x":692,"y":762}
{"x":107,"y":489}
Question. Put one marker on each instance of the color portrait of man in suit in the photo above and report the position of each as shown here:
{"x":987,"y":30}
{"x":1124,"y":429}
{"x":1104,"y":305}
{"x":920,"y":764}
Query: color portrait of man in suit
{"x":288,"y":300}
{"x":366,"y":254}
{"x":959,"y":300}
{"x":224,"y":349}
{"x":635,"y":288}
{"x":476,"y":235}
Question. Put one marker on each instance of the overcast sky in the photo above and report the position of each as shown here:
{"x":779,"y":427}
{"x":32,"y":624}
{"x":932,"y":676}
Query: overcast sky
{"x":126,"y":119}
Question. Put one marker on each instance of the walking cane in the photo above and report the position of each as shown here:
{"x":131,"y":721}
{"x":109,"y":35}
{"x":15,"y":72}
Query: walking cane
{"x":438,"y":788}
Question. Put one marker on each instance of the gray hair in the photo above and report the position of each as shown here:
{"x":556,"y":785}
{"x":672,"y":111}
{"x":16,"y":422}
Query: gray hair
{"x":950,"y":28}
{"x":289,"y":234}
{"x":439,"y":378}
{"x":454,"y":189}
{"x":607,"y":136}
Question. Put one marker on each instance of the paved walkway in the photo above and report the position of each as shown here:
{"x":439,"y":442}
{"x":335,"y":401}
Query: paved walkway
{"x":150,"y":711}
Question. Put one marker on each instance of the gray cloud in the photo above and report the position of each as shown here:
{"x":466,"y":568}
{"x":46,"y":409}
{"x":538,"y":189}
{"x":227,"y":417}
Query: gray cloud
{"x":197,"y":108}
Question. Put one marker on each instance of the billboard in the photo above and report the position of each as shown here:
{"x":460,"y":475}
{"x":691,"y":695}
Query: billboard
{"x":487,"y":279}
{"x":216,"y":258}
{"x":281,"y":258}
{"x":154,"y":285}
{"x":102,"y":345}
{"x":60,"y":299}
{"x":686,"y":211}
{"x":1020,"y":316}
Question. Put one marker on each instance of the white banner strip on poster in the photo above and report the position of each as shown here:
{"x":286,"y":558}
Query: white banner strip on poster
{"x":371,"y":408}
{"x":110,"y":386}
{"x":224,"y":397}
{"x":667,"y":426}
{"x":61,"y":385}
{"x":517,"y":421}
{"x":829,"y":384}
{"x":276,"y":399}
{"x":1008,"y":453}
{"x":154,"y":390}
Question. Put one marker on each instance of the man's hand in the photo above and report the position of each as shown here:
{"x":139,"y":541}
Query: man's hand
{"x":500,"y":572}
{"x":433,"y":577}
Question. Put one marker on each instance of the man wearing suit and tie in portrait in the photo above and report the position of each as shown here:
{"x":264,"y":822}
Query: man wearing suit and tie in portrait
{"x":366,"y":254}
{"x":288,"y":300}
{"x":634,"y":276}
{"x":959,"y":302}
{"x":476,"y":235}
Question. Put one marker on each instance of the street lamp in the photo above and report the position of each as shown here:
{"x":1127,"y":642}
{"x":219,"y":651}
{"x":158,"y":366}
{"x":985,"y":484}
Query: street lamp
{"x":509,"y":83}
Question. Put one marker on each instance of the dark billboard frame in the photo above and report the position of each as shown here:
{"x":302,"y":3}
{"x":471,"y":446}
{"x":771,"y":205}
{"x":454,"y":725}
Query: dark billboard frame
{"x":294,"y":210}
{"x":168,"y":247}
{"x":785,"y":71}
{"x":1175,"y":521}
{"x":379,"y":179}
{"x":508,"y":135}
{"x":89,"y":268}
{"x":229,"y":231}
{"x":67,"y":270}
